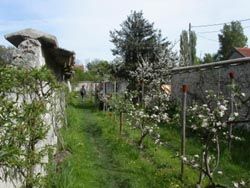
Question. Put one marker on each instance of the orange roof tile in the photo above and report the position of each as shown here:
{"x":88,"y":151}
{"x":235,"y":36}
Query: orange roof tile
{"x":243,"y":51}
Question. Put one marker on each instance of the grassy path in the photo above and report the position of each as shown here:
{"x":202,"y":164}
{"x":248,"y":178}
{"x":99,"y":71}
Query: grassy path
{"x":90,"y":163}
{"x":100,"y":158}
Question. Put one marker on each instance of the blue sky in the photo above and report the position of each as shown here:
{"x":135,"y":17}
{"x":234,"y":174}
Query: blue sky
{"x":83,"y":25}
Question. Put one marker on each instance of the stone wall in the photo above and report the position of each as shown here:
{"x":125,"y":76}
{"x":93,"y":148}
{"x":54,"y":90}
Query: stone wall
{"x":213,"y":76}
{"x":34,"y":50}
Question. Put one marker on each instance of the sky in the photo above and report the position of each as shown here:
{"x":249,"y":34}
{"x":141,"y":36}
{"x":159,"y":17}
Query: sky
{"x":83,"y":26}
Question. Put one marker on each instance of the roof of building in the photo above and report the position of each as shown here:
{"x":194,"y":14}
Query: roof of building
{"x":46,"y":39}
{"x":60,"y":56}
{"x":245,"y":52}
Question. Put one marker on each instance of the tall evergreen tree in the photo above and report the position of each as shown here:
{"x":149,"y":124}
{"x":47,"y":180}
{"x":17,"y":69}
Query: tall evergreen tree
{"x":232,"y":35}
{"x":137,"y":40}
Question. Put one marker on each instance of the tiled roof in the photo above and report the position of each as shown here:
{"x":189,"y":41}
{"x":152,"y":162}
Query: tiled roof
{"x":243,"y":51}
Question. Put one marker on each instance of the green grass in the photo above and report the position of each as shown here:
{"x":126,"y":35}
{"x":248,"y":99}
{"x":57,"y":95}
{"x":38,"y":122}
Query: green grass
{"x":101,"y":158}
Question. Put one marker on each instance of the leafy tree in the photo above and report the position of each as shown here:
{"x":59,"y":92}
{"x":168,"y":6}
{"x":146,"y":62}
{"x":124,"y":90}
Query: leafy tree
{"x":192,"y":42}
{"x":208,"y":58}
{"x":232,"y":35}
{"x":78,"y":75}
{"x":188,"y":48}
{"x":184,"y":49}
{"x":100,"y":69}
{"x":137,"y":40}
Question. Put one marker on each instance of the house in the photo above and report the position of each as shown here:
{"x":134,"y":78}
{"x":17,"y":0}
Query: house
{"x":239,"y":53}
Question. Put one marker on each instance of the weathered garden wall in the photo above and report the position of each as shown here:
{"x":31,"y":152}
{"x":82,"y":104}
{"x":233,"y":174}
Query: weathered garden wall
{"x":213,"y":76}
{"x":34,"y":50}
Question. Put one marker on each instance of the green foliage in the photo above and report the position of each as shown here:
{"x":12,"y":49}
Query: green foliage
{"x":137,"y":39}
{"x":232,"y":35}
{"x":100,"y":69}
{"x":78,"y":75}
{"x":188,"y":48}
{"x":184,"y":49}
{"x":209,"y":58}
{"x":24,"y":97}
{"x":192,"y":41}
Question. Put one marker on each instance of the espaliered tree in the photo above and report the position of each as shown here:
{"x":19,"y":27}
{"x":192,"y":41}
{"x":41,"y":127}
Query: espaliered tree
{"x":137,"y":39}
{"x":153,"y":107}
{"x":210,"y":121}
{"x":27,"y":96}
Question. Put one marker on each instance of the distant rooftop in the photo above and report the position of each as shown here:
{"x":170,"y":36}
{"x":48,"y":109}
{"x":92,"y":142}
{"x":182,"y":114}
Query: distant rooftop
{"x":245,"y":52}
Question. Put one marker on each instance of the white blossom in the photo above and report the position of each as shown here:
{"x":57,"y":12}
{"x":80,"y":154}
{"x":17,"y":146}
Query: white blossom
{"x":242,"y":183}
{"x":243,"y":94}
{"x":222,"y":107}
{"x":236,"y":114}
{"x":220,"y":172}
{"x":201,"y":116}
{"x":195,"y":165}
{"x":218,"y":123}
{"x":156,"y":141}
{"x":214,"y":130}
{"x":156,"y":108}
{"x":235,"y":184}
{"x":194,"y":127}
{"x":204,"y":123}
{"x":221,"y":113}
{"x":184,"y":158}
{"x":231,"y":118}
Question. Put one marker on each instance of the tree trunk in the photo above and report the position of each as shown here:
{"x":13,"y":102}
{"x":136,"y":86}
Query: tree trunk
{"x":121,"y":123}
{"x":140,"y":143}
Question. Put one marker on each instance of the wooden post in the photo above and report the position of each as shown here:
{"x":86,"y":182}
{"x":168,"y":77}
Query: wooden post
{"x":231,"y":76}
{"x":104,"y":97}
{"x":115,"y":87}
{"x":91,"y":92}
{"x":190,"y":45}
{"x":121,"y":123}
{"x":142,"y":92}
{"x":183,"y":135}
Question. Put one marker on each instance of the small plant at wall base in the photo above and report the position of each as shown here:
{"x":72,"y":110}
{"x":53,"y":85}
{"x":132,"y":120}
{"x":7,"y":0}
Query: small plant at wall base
{"x":25,"y":99}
